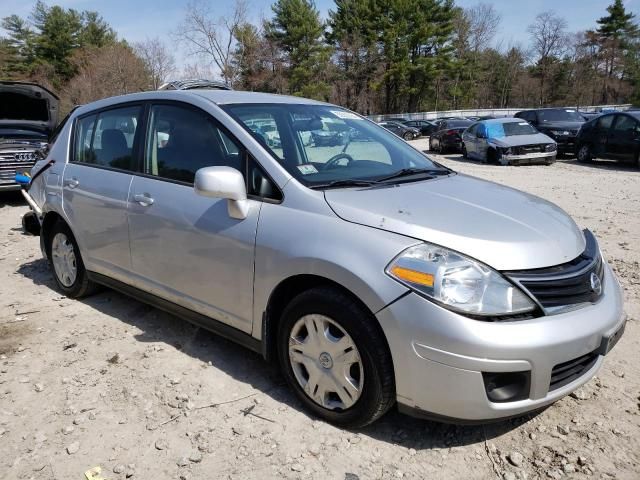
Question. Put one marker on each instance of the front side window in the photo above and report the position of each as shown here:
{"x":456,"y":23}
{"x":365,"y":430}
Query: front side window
{"x":107,"y":139}
{"x":605,"y":121}
{"x":319,"y":144}
{"x":181,"y":140}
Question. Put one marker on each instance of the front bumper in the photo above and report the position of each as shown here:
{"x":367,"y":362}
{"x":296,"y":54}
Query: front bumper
{"x":439,"y":356}
{"x":529,"y":158}
{"x":9,"y":187}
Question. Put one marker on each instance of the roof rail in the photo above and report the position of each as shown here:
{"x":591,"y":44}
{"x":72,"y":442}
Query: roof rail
{"x":194,"y":84}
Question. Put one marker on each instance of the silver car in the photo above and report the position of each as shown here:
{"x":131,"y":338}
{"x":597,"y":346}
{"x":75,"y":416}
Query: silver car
{"x":508,"y":141}
{"x":375,"y":276}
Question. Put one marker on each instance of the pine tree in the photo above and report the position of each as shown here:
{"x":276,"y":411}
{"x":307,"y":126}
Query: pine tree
{"x":299,"y":32}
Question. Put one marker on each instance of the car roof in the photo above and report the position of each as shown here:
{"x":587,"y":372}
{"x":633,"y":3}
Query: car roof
{"x":219,"y":97}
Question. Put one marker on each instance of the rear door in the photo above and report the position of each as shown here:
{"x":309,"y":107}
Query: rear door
{"x":186,"y":248}
{"x":624,"y":138}
{"x":96,"y":185}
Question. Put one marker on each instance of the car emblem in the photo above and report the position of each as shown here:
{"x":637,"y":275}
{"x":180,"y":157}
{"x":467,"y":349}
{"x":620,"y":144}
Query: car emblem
{"x":24,"y":156}
{"x":596,"y":284}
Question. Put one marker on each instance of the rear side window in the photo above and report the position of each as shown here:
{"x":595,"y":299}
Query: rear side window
{"x":107,"y":139}
{"x":624,"y":123}
{"x":182,"y":140}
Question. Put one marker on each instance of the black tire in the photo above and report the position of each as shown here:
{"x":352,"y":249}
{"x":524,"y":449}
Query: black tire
{"x":408,"y":136}
{"x":492,"y":156}
{"x":464,"y":151}
{"x":583,"y":153}
{"x":378,"y":386}
{"x":81,"y":286}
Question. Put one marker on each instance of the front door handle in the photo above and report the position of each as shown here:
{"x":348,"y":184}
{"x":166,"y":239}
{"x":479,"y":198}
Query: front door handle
{"x":143,"y":199}
{"x":72,"y":182}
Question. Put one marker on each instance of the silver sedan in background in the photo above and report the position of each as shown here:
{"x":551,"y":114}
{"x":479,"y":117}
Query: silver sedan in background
{"x":508,"y":141}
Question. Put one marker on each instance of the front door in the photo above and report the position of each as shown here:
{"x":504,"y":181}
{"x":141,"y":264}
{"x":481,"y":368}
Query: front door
{"x":96,"y":185}
{"x":600,"y":136}
{"x":185,"y":247}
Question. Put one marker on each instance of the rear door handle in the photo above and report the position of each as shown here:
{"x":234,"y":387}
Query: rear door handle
{"x":72,"y":182}
{"x":143,"y":199}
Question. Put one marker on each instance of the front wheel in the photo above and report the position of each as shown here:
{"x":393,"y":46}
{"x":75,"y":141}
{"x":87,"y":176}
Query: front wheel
{"x":584,"y":154}
{"x":408,"y":136}
{"x":464,"y":151}
{"x":66,"y":262}
{"x":335,"y":359}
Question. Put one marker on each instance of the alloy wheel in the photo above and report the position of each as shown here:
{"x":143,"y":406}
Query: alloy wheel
{"x":326,"y":362}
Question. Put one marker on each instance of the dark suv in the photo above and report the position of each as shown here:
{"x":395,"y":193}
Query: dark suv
{"x":28,"y":114}
{"x":561,"y":124}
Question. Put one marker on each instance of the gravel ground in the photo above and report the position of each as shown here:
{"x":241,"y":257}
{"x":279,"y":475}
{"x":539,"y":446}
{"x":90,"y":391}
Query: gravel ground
{"x":110,"y":382}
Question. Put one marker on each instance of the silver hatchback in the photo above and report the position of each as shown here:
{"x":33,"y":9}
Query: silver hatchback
{"x":374,"y":275}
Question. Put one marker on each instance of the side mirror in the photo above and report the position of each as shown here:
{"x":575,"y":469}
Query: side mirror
{"x":224,"y":182}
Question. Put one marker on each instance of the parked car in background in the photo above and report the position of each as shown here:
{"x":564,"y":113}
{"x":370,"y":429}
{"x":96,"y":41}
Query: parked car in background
{"x":448,"y":135}
{"x":425,"y":126}
{"x":408,"y":133}
{"x":614,"y":136}
{"x":507,"y":141}
{"x":28,"y":115}
{"x":561,"y":124}
{"x":589,"y":115}
{"x":373,"y":275}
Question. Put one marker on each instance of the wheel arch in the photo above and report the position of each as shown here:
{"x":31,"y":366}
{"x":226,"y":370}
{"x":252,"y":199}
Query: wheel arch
{"x":50,"y":219}
{"x":286,"y":291}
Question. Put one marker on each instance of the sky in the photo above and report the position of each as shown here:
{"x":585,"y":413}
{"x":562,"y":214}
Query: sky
{"x":137,"y":20}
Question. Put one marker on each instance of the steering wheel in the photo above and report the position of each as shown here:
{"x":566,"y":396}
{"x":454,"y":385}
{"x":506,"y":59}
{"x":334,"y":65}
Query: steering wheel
{"x":336,"y":158}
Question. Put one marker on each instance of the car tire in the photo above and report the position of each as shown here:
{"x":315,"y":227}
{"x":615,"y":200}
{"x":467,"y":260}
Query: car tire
{"x":66,"y":263}
{"x":464,"y":152}
{"x":365,"y":381}
{"x":583,"y":154}
{"x":408,"y":136}
{"x":492,"y":156}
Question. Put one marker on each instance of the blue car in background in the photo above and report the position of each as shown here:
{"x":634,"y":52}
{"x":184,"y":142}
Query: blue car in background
{"x":507,"y":141}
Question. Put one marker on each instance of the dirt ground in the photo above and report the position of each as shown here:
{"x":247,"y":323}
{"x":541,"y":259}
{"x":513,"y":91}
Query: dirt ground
{"x":110,"y":382}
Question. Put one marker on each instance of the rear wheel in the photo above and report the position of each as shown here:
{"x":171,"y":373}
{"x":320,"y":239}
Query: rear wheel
{"x":66,"y":263}
{"x":584,"y":154}
{"x":335,"y":359}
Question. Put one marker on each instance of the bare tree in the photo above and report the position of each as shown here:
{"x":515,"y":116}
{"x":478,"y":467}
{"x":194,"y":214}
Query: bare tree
{"x":104,"y":72}
{"x":549,"y":36}
{"x":159,"y":61}
{"x":484,"y":22}
{"x":209,"y":38}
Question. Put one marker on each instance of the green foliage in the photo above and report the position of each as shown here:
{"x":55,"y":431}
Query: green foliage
{"x":48,"y":39}
{"x":618,"y":24}
{"x":299,"y":31}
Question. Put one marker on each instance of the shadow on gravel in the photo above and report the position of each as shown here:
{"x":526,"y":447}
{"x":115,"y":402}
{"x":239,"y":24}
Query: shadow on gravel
{"x":599,"y":164}
{"x":250,"y":368}
{"x":11,"y":199}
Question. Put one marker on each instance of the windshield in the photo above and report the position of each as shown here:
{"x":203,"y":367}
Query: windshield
{"x":509,"y":129}
{"x":320,"y":144}
{"x":559,"y":115}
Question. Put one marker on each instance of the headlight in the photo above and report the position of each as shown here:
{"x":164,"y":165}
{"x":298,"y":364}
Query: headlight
{"x":507,"y":151}
{"x":550,"y":147}
{"x":457,"y":282}
{"x":559,"y":133}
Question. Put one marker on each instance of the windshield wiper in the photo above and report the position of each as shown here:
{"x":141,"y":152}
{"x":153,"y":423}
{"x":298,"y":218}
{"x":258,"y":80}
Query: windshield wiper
{"x":406,"y":172}
{"x":347,"y":182}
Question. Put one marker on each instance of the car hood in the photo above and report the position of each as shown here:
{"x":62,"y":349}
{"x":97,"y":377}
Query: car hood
{"x":28,"y":106}
{"x":560,"y":125}
{"x":500,"y":226}
{"x":517,"y":140}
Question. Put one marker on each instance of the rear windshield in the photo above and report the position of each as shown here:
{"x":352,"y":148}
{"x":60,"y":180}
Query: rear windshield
{"x":498,"y":130}
{"x":560,"y":115}
{"x":15,"y":106}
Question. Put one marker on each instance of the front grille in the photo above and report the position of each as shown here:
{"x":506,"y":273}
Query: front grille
{"x":567,"y":284}
{"x":525,"y":149}
{"x":12,"y":161}
{"x":565,"y":373}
